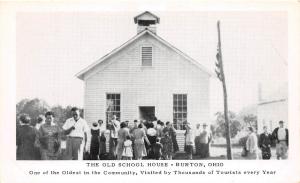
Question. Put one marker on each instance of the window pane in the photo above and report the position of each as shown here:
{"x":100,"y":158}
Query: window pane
{"x":112,"y":106}
{"x":180,"y":103}
{"x":179,"y":110}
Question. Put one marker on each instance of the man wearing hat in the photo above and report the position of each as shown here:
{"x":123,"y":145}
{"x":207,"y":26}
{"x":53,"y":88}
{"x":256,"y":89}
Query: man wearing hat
{"x":205,"y":138}
{"x":281,"y":137}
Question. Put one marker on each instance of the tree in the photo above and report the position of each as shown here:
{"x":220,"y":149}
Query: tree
{"x":251,"y":120}
{"x":62,"y":114}
{"x":234,"y":124}
{"x":33,"y":108}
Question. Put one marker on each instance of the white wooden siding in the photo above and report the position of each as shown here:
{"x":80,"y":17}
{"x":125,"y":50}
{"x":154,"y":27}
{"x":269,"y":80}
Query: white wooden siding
{"x":147,"y":86}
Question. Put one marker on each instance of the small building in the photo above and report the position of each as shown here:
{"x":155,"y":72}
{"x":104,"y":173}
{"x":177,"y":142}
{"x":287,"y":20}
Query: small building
{"x":273,"y":109}
{"x":146,"y":77}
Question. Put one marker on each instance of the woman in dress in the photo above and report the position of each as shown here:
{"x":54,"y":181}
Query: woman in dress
{"x":102,"y":145}
{"x":172,"y":133}
{"x":166,"y":141}
{"x":251,"y":145}
{"x":265,"y":140}
{"x":151,"y":135}
{"x":122,"y":134}
{"x":26,"y":137}
{"x":49,"y":138}
{"x":95,"y":141}
{"x":139,"y":136}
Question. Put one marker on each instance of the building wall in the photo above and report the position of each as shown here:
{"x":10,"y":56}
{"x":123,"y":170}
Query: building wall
{"x":147,"y":86}
{"x":270,"y":114}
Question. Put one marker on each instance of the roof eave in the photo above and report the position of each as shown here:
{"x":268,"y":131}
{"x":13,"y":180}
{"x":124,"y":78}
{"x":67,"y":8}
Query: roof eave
{"x":80,"y":74}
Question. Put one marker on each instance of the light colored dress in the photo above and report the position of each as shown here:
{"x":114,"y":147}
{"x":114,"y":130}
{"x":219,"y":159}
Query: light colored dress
{"x":127,"y":152}
{"x":252,"y":146}
{"x":122,"y":134}
{"x":139,"y":144}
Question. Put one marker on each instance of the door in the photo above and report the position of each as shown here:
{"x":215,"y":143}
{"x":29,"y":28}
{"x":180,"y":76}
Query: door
{"x":147,"y":113}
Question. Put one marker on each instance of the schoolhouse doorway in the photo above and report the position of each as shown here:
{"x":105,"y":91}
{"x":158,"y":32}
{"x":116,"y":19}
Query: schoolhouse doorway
{"x":147,"y":113}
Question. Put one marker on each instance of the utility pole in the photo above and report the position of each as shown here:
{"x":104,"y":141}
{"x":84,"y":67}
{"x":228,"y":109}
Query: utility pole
{"x":220,"y":73}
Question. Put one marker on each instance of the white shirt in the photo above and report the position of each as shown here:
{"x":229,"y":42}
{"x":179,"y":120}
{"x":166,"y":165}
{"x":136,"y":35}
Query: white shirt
{"x":189,"y":138}
{"x":205,"y":136}
{"x":114,"y":133}
{"x":281,"y":134}
{"x":81,"y":126}
{"x":38,"y":125}
{"x":197,"y":132}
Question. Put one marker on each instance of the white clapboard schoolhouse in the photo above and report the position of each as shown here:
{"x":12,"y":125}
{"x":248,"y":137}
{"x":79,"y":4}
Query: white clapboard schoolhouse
{"x":145,"y":77}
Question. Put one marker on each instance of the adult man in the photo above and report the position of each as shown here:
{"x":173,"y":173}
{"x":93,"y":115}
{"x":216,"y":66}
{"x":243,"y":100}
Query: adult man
{"x":189,"y":141}
{"x":205,"y":138}
{"x":114,"y":127}
{"x":281,"y":137}
{"x":76,"y":130}
{"x":197,"y":138}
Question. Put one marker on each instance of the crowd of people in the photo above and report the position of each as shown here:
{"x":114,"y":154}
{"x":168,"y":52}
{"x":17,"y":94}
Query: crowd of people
{"x":48,"y":141}
{"x":138,"y":139}
{"x":280,"y":136}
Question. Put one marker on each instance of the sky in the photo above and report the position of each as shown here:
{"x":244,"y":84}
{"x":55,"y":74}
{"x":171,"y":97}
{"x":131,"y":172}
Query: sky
{"x":52,"y":47}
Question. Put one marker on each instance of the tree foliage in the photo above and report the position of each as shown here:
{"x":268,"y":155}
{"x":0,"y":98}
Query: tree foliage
{"x":234,"y":125}
{"x":251,"y":120}
{"x":33,"y":108}
{"x":36,"y":107}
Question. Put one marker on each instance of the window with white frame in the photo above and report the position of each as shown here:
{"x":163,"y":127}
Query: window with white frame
{"x":113,"y":106}
{"x":179,"y":110}
{"x":146,"y":55}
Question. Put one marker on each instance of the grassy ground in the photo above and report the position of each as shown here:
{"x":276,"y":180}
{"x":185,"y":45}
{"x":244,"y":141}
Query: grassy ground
{"x":219,"y":152}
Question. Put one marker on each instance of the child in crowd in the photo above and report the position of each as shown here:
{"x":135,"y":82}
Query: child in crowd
{"x":157,"y":147}
{"x":127,"y":152}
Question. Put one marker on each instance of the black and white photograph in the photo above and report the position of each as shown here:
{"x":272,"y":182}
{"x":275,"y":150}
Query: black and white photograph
{"x":152,"y":85}
{"x":149,"y":91}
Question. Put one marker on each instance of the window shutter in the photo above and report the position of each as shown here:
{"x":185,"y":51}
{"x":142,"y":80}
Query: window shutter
{"x":147,"y":56}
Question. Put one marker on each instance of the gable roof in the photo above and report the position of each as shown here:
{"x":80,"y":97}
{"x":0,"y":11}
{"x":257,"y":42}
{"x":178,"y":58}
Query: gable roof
{"x":80,"y":75}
